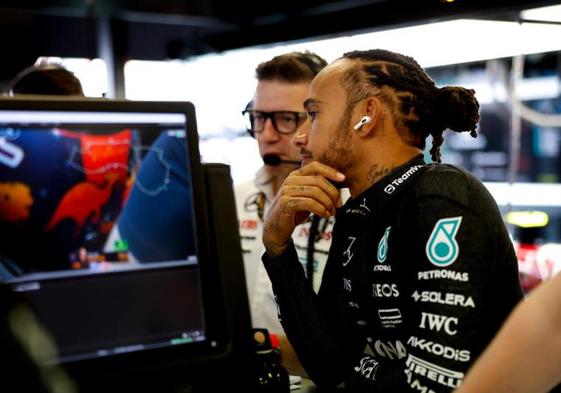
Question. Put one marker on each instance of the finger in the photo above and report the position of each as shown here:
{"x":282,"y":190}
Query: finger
{"x":294,"y":205}
{"x":317,"y":168}
{"x":312,"y":192}
{"x":314,"y":181}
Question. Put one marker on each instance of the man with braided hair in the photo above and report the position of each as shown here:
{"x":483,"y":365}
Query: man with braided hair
{"x":421,"y":272}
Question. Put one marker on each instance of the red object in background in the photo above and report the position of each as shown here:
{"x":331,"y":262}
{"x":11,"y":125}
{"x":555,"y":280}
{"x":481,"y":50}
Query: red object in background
{"x":274,"y":341}
{"x":105,"y":162}
{"x":106,"y":153}
{"x":100,"y":154}
{"x":527,"y":267}
{"x":537,"y":263}
{"x":82,"y":201}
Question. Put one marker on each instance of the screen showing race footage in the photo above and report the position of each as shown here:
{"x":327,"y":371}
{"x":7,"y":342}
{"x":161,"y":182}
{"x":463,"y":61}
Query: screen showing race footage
{"x":93,"y":196}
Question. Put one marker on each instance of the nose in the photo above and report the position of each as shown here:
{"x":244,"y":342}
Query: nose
{"x":300,"y":138}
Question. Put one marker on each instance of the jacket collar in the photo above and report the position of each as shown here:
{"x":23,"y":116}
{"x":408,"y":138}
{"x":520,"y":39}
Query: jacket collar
{"x":385,"y":189}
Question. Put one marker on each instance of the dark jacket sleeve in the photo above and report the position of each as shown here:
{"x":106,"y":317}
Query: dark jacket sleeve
{"x":313,"y":323}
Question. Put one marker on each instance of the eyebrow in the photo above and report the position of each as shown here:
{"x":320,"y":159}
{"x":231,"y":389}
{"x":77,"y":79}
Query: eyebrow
{"x":309,"y":102}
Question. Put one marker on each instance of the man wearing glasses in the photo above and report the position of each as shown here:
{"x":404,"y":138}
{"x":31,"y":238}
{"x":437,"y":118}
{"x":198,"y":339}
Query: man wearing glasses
{"x":273,"y":116}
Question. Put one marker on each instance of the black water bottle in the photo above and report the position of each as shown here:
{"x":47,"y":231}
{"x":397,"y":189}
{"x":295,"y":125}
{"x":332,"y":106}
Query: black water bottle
{"x":271,"y":376}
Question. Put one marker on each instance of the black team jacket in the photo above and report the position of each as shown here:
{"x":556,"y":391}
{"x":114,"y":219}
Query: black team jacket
{"x":420,"y":276}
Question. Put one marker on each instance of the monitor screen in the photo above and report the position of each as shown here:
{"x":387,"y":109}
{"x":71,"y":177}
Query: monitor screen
{"x":103,"y":227}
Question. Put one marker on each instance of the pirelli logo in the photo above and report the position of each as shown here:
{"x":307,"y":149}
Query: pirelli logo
{"x":434,"y":372}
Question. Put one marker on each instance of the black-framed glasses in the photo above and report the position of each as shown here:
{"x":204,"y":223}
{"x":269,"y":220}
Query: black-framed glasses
{"x":284,"y":122}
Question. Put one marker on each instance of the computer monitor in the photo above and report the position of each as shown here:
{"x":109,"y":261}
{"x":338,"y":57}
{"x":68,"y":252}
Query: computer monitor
{"x":108,"y":232}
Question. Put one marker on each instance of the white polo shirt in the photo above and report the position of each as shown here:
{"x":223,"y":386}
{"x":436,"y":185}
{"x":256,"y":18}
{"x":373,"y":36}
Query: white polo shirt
{"x":262,"y":301}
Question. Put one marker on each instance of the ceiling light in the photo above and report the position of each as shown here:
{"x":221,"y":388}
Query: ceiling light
{"x":547,"y":14}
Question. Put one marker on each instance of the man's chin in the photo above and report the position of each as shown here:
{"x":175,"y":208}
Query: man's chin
{"x":338,"y":185}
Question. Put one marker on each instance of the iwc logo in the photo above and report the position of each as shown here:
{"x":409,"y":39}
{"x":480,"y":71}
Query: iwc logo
{"x":383,"y":246}
{"x":442,"y":249}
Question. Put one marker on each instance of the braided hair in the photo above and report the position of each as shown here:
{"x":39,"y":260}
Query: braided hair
{"x":419,"y":107}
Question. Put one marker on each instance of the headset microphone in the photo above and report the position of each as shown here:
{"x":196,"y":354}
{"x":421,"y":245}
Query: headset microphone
{"x":275,"y":160}
{"x":363,"y":121}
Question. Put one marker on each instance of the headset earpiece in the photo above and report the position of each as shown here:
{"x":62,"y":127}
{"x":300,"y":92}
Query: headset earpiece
{"x":363,"y":121}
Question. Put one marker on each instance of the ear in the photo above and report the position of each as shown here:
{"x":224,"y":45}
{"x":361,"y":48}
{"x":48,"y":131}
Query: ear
{"x":367,"y":116}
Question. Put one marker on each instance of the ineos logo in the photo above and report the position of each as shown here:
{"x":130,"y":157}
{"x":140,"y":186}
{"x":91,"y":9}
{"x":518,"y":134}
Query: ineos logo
{"x":385,"y":290}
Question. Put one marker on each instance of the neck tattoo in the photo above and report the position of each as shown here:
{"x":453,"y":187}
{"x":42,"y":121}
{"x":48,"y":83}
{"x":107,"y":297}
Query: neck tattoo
{"x":376,"y":172}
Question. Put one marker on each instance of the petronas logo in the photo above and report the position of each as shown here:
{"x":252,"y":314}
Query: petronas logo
{"x":442,"y":248}
{"x":383,"y":246}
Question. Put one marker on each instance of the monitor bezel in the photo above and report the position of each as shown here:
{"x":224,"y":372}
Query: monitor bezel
{"x":218,"y":344}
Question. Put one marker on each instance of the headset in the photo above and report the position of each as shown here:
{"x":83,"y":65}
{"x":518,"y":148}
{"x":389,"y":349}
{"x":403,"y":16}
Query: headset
{"x":363,"y":121}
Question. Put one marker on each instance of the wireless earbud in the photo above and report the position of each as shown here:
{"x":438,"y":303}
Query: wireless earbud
{"x":363,"y":121}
